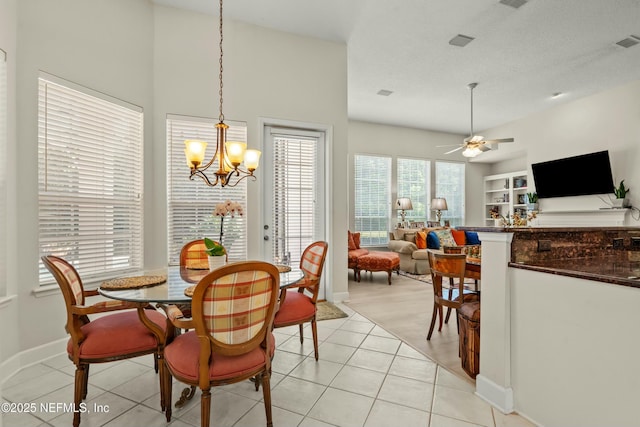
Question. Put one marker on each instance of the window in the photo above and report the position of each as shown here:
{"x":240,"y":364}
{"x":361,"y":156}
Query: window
{"x":372,"y":198}
{"x":450,"y":185}
{"x":191,"y":203}
{"x":89,"y":180}
{"x":413,"y":182}
{"x":3,"y":171}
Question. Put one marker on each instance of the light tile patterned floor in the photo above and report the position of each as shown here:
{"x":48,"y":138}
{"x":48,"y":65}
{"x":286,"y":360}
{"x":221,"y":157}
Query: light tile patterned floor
{"x":365,"y":377}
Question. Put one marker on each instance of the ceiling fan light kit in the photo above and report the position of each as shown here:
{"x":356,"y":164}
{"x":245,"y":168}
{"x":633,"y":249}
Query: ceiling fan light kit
{"x":474,"y":145}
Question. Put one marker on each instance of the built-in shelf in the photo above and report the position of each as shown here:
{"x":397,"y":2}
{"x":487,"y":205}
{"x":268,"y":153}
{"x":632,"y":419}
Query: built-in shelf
{"x":504,"y":193}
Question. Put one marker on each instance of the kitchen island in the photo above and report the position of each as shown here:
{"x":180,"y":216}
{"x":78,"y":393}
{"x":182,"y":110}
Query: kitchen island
{"x":560,"y":310}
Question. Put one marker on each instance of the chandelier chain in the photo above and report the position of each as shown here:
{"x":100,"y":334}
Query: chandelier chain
{"x":221,"y":116}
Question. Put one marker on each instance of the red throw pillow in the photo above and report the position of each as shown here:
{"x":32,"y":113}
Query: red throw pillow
{"x":421,"y":240}
{"x":350,"y":242}
{"x":356,"y":239}
{"x":459,"y":237}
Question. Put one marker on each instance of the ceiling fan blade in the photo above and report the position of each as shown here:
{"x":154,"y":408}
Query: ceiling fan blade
{"x":495,"y":141}
{"x":454,"y":150}
{"x":484,"y":147}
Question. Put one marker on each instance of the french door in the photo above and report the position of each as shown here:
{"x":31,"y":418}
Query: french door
{"x":294,"y":193}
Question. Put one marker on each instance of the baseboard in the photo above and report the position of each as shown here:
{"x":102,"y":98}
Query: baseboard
{"x":31,"y":356}
{"x":340,"y":297}
{"x":496,"y":395}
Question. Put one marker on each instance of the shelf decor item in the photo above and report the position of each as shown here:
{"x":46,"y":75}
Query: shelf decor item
{"x":532,"y":201}
{"x":621,"y":200}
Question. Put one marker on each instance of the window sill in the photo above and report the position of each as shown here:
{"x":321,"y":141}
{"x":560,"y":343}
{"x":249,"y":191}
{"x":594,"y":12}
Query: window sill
{"x":6,"y":300}
{"x":45,"y":291}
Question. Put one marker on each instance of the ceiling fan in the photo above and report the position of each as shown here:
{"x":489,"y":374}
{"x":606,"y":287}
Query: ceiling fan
{"x":476,"y":144}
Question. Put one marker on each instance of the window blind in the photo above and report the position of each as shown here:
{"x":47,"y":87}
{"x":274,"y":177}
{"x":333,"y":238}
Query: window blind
{"x":450,"y":177}
{"x":413,"y":182}
{"x":372,"y":198}
{"x":190,"y":204}
{"x":90,"y":180}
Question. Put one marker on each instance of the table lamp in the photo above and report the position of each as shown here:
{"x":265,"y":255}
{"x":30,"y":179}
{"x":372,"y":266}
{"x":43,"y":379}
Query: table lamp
{"x":439,"y":204}
{"x":404,"y":204}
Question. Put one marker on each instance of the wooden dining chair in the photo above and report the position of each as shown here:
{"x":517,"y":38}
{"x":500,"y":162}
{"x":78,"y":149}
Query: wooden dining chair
{"x":231,"y":336}
{"x":449,"y":266}
{"x":193,"y":256}
{"x":296,"y":306}
{"x":108,"y":338}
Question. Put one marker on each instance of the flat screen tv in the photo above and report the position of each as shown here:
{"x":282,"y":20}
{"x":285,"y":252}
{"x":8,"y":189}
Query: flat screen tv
{"x":574,"y":176}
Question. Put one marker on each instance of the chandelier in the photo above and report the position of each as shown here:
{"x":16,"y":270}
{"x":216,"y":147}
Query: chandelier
{"x":230,"y":154}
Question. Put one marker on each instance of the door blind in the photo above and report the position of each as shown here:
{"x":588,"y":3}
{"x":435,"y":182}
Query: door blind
{"x":295,"y":192}
{"x":190,"y":204}
{"x":90,"y":180}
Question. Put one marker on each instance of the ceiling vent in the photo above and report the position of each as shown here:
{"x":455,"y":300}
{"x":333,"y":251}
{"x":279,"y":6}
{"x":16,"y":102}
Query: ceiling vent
{"x":629,"y":41}
{"x":384,"y":92}
{"x":461,"y":40}
{"x":513,"y":3}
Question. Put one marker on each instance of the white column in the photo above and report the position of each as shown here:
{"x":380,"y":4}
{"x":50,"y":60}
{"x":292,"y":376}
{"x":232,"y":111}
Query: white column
{"x":493,"y":383}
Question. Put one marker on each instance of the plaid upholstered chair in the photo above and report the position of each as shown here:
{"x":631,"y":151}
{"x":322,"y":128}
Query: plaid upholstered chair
{"x":194,"y":257}
{"x":296,"y":307}
{"x":108,"y":338}
{"x":230,"y":339}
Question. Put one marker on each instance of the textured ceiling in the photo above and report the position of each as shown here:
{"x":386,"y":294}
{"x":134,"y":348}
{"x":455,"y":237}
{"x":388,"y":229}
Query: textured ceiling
{"x":519,"y":57}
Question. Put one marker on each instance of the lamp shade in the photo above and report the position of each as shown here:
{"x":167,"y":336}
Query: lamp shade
{"x":404,"y":203}
{"x":439,"y":204}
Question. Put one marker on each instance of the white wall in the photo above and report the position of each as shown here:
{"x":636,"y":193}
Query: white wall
{"x":574,"y":352}
{"x":9,"y":341}
{"x":604,"y":121}
{"x":372,"y":138}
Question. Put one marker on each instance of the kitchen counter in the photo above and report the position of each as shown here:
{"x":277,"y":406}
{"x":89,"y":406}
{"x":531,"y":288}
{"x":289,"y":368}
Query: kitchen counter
{"x":604,"y":254}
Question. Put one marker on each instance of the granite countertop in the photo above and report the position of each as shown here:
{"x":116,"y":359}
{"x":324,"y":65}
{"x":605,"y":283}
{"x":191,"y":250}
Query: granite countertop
{"x":621,"y":269}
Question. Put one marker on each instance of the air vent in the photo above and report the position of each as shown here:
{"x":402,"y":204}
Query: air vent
{"x":384,"y":92}
{"x":513,"y":3}
{"x":461,"y":40}
{"x":629,"y":41}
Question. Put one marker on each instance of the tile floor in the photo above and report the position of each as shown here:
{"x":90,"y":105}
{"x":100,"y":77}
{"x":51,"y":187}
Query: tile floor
{"x":365,"y":377}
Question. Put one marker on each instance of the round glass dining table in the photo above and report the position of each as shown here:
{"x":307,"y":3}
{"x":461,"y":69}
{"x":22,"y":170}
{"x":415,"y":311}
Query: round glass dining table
{"x":172,"y":291}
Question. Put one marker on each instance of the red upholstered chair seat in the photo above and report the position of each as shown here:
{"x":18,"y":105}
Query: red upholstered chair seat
{"x":113,"y":335}
{"x":296,"y":307}
{"x":183,"y":354}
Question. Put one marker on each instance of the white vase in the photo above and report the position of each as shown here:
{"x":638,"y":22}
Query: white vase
{"x":217,"y":261}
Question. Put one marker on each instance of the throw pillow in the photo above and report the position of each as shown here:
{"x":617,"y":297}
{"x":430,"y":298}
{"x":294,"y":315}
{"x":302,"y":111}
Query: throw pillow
{"x":421,"y":240}
{"x":350,"y":241}
{"x":410,"y":237}
{"x":472,"y":238}
{"x":356,"y":239}
{"x":445,"y":237}
{"x":460,"y":237}
{"x":432,"y":241}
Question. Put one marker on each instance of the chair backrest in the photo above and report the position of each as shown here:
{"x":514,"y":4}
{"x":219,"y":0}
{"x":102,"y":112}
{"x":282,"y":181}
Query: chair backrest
{"x":193,"y":256}
{"x":233,"y":308}
{"x":68,"y":279}
{"x":451,"y":266}
{"x":312,"y":264}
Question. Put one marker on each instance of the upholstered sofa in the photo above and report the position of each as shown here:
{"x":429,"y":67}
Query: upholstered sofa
{"x":412,"y":246}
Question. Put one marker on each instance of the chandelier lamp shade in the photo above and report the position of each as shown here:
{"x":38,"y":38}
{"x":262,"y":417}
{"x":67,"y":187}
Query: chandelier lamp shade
{"x":230,"y":154}
{"x":439,"y":204}
{"x":403,"y":204}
